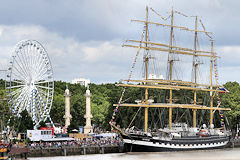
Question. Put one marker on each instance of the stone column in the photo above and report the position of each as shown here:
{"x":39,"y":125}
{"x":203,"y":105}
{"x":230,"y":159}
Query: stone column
{"x":88,"y":127}
{"x":67,"y":115}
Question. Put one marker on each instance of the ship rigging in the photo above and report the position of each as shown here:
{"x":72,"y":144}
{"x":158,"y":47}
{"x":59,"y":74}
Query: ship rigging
{"x":171,"y":84}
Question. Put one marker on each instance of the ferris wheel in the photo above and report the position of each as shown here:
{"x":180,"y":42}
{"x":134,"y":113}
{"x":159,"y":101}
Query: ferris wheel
{"x":29,"y":83}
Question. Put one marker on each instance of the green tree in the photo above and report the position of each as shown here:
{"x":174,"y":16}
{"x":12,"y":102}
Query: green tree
{"x":71,"y":127}
{"x":42,"y":124}
{"x":58,"y":108}
{"x":232,"y":101}
{"x":25,"y":122}
{"x":105,"y":95}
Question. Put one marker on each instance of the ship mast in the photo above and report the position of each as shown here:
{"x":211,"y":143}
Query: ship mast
{"x":146,"y":72}
{"x":171,"y":69}
{"x":211,"y":95}
{"x":195,"y":64}
{"x":171,"y":84}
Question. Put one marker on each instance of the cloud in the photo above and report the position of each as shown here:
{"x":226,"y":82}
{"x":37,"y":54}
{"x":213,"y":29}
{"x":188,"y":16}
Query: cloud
{"x":101,"y":61}
{"x":70,"y":58}
{"x":107,"y":20}
{"x":83,"y":38}
{"x":229,"y":62}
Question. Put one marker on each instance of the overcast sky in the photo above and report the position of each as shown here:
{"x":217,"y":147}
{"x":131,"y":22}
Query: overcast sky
{"x":83,"y":38}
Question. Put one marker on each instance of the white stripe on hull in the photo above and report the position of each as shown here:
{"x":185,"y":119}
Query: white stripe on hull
{"x":176,"y":146}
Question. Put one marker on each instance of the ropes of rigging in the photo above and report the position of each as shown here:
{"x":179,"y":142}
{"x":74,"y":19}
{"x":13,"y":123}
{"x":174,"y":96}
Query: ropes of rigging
{"x":217,"y":94}
{"x":205,"y":29}
{"x":181,"y":13}
{"x":160,"y":15}
{"x":134,"y":117}
{"x":129,"y":77}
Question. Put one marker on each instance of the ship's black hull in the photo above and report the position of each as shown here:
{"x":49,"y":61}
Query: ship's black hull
{"x":144,"y":144}
{"x":140,"y":148}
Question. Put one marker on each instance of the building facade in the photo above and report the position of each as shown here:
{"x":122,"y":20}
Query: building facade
{"x":81,"y":81}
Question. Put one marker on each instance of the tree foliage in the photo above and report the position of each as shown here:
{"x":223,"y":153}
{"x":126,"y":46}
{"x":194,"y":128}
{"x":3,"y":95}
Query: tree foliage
{"x":72,"y":127}
{"x":232,"y":101}
{"x":25,"y":122}
{"x":22,"y":123}
{"x":105,"y":95}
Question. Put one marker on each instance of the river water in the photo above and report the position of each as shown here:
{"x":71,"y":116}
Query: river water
{"x":220,"y":154}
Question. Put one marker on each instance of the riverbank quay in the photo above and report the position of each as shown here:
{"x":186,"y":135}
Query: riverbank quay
{"x":65,"y":148}
{"x":75,"y":150}
{"x":57,"y":149}
{"x":85,"y":147}
{"x":215,"y":154}
{"x":19,"y":152}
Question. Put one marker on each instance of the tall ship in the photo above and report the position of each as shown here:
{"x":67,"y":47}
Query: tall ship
{"x":176,"y":134}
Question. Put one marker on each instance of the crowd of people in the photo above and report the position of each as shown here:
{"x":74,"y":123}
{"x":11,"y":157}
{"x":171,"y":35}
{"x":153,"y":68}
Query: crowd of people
{"x":80,"y":143}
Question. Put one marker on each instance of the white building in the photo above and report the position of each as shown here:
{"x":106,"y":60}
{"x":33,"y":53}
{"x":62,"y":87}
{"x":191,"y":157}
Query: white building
{"x":38,"y":135}
{"x":81,"y":81}
{"x":154,"y":76}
